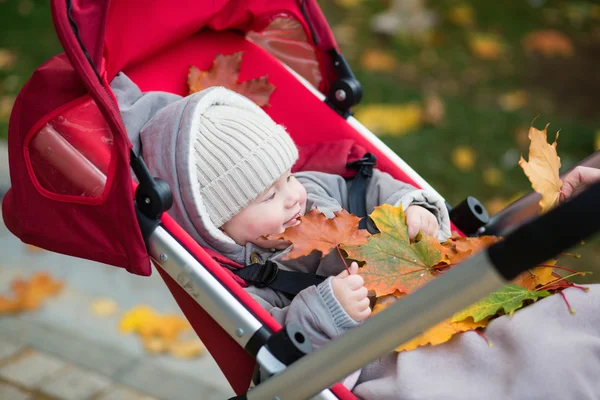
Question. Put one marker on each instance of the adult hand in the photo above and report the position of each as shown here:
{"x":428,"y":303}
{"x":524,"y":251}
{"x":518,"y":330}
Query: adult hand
{"x":577,"y":180}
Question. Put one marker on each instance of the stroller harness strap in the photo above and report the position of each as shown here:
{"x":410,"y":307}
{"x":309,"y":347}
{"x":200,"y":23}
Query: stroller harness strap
{"x":357,"y":194}
{"x":269,"y":275}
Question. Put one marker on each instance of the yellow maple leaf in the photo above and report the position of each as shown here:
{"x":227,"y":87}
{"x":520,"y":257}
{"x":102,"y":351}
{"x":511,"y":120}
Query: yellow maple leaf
{"x":542,"y":169}
{"x":441,"y":333}
{"x":391,"y":119}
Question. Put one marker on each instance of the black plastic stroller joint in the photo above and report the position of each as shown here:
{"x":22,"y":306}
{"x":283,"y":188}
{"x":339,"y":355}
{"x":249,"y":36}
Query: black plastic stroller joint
{"x":153,"y":196}
{"x":346,"y":90}
{"x":469,"y":216}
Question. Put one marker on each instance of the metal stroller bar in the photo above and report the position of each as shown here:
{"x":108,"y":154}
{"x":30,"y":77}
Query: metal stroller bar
{"x":483,"y":273}
{"x":215,"y":299}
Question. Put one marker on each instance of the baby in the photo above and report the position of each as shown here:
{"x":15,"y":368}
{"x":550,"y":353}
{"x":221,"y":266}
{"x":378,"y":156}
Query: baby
{"x":229,"y":166}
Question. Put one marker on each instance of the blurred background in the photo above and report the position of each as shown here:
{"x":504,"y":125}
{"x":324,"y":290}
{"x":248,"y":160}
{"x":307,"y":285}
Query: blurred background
{"x":451,"y":85}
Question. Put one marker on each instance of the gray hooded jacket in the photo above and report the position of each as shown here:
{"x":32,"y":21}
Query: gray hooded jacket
{"x":526,"y":348}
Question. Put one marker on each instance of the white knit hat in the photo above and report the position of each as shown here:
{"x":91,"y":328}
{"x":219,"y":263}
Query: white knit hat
{"x":239,"y":152}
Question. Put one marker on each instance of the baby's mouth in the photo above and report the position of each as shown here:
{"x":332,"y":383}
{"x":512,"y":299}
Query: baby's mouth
{"x":292,"y":221}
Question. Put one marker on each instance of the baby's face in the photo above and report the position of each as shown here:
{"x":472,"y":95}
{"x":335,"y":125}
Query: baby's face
{"x":276,"y":209}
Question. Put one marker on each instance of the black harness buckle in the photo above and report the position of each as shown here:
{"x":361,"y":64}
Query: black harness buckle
{"x":266,"y":274}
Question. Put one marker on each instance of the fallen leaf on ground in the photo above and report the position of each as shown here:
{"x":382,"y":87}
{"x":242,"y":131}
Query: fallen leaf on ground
{"x":29,"y":294}
{"x":462,"y":15}
{"x":8,"y":59}
{"x":486,"y":46}
{"x":492,"y":176}
{"x":514,"y":100}
{"x":463,"y":158}
{"x":225,"y":72}
{"x":392,"y":261}
{"x":543,"y":167}
{"x":186,"y":349}
{"x":391,"y":119}
{"x":549,"y":43}
{"x":441,"y":333}
{"x":376,"y":60}
{"x":317,"y":232}
{"x":506,"y":300}
{"x":104,"y":307}
{"x":161,"y":333}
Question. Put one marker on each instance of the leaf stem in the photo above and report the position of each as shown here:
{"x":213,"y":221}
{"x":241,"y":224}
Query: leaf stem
{"x":559,"y":279}
{"x":561,"y":268}
{"x":567,"y":302}
{"x":342,"y":257}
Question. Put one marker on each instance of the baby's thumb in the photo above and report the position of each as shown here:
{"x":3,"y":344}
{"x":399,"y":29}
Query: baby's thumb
{"x":353,"y":269}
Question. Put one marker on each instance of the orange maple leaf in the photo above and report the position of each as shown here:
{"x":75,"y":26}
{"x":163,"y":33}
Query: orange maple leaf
{"x":317,"y":232}
{"x":441,"y":333}
{"x":536,"y":276}
{"x":30,"y":294}
{"x":459,"y":249}
{"x":224,"y":72}
{"x":542,"y":168}
{"x":392,"y":261}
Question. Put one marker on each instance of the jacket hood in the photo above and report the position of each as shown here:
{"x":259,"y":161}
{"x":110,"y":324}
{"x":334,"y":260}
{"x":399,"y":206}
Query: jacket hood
{"x":160,"y":124}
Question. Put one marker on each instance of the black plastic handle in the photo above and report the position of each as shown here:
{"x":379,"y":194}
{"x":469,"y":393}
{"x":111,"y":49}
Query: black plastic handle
{"x":548,"y":235}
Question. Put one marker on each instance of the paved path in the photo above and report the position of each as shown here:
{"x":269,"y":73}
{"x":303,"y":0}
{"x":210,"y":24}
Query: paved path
{"x":65,"y":352}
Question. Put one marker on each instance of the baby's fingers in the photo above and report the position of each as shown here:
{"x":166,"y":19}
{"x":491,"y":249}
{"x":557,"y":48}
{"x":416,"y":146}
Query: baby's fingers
{"x":413,"y":221}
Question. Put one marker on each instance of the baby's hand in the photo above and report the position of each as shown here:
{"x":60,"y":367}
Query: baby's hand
{"x":420,"y":219}
{"x":349,"y":289}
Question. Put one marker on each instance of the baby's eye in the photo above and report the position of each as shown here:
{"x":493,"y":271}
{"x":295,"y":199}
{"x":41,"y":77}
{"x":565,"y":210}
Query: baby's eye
{"x":289,"y":178}
{"x":271,"y":197}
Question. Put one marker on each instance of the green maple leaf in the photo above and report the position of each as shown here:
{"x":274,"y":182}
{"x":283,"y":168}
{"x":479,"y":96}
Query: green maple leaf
{"x":392,"y":261}
{"x":509,"y":299}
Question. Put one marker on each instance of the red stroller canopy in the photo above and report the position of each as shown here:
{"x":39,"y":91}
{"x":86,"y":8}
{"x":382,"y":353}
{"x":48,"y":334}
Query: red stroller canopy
{"x":70,"y":96}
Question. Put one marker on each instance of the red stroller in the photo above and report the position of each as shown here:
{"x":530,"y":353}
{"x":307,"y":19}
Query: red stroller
{"x":73,"y":193}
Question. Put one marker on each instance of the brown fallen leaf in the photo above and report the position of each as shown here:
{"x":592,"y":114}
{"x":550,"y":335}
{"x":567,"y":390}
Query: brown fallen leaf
{"x":543,"y":167}
{"x":549,"y":43}
{"x":225,"y":72}
{"x":317,"y":232}
{"x":29,"y":294}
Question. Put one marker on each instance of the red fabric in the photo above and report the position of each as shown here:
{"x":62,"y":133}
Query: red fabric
{"x":330,"y":157}
{"x":159,"y":25}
